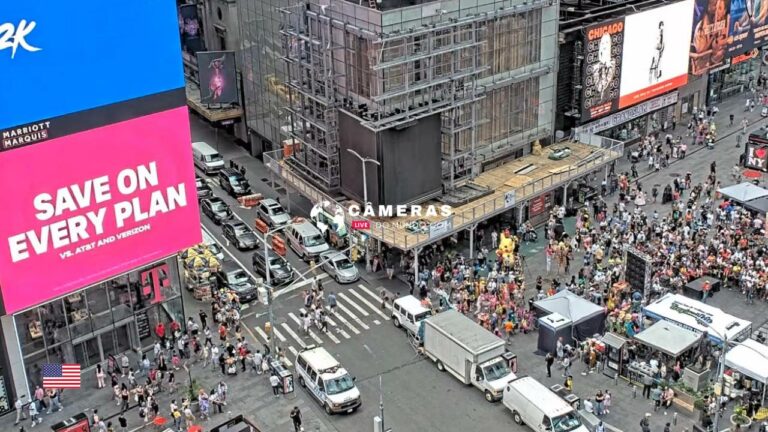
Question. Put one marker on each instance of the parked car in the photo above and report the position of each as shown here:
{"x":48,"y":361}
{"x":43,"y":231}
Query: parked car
{"x":216,"y":209}
{"x":240,"y":235}
{"x":234,"y":183}
{"x":271,"y":212}
{"x":559,"y":153}
{"x":233,"y":277}
{"x":339,"y":267}
{"x":203,"y":190}
{"x":213,"y":246}
{"x":281,"y":272}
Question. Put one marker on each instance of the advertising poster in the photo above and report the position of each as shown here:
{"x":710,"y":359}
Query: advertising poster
{"x":658,"y":60}
{"x":133,"y":203}
{"x":68,"y":44}
{"x":603,"y":47}
{"x":709,"y":42}
{"x":756,"y":153}
{"x":748,"y":27}
{"x":190,"y":29}
{"x":218,"y":80}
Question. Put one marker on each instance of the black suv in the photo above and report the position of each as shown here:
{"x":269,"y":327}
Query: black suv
{"x":216,"y":209}
{"x":281,"y":273}
{"x":235,"y":278}
{"x":203,"y":190}
{"x":240,"y":235}
{"x":234,"y":183}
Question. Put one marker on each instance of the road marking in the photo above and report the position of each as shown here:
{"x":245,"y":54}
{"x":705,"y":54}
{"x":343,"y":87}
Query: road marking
{"x":262,"y":334}
{"x":333,"y":324}
{"x":278,"y":334}
{"x":377,"y":322}
{"x":226,"y":251}
{"x":367,"y":303}
{"x":290,"y":331}
{"x":311,"y":333}
{"x":295,"y":286}
{"x":374,"y":296}
{"x":353,"y":316}
{"x":369,"y":350}
{"x":345,"y":322}
{"x":353,"y":304}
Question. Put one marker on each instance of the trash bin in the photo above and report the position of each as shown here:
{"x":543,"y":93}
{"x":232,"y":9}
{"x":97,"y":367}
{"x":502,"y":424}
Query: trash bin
{"x":286,"y":378}
{"x":511,"y":359}
{"x":76,"y":423}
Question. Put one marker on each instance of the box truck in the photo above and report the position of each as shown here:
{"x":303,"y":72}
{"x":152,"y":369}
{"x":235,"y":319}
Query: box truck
{"x":469,"y":352}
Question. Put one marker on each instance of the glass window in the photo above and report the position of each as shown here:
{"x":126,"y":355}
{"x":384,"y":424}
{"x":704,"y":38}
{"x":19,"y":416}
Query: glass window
{"x":98,"y":307}
{"x":76,"y":309}
{"x":33,"y":364}
{"x":30,"y":330}
{"x":121,"y":298}
{"x":54,"y":322}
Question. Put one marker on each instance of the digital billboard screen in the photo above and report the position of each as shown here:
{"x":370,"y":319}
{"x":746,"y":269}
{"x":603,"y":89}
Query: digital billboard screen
{"x":119,"y":199}
{"x":748,"y":26}
{"x":218,"y":79}
{"x":60,"y":57}
{"x":710,"y":34}
{"x":658,"y":60}
{"x":602,"y":68}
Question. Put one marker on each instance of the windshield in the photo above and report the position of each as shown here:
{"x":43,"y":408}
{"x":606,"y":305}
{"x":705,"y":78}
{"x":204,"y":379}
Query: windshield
{"x":423,"y":315}
{"x":339,"y":385}
{"x":198,"y":182}
{"x":344,"y":264}
{"x":315,"y":240}
{"x":276,"y":211}
{"x":241,"y":230}
{"x":565,"y":423}
{"x":237,"y":277}
{"x":213,"y":157}
{"x":496,"y":371}
{"x":214,"y":248}
{"x":275,"y":262}
{"x":218,"y":206}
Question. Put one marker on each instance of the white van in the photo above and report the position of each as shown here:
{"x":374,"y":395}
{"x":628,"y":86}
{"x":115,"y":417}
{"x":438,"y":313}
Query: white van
{"x":532,"y":403}
{"x":327,"y":381}
{"x":408,"y":312}
{"x":306,"y":240}
{"x":206,"y":157}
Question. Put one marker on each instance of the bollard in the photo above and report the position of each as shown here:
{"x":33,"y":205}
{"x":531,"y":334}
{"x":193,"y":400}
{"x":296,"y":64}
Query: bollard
{"x":674,"y":419}
{"x":634,"y":392}
{"x":615,"y":379}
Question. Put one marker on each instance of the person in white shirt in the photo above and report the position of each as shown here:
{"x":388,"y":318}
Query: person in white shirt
{"x":589,"y":406}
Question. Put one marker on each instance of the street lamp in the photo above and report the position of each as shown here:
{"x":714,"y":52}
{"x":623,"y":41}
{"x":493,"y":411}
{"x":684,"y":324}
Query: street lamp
{"x":265,"y":238}
{"x":721,"y":372}
{"x":363,"y":161}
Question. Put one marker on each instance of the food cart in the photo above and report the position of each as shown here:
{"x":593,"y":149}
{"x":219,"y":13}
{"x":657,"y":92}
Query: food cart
{"x":200,"y":267}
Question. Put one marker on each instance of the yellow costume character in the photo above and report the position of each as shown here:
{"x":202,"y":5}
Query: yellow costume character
{"x":506,"y":250}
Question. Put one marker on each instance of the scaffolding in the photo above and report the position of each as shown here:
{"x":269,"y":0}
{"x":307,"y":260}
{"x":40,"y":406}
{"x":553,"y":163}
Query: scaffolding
{"x":446,"y":65}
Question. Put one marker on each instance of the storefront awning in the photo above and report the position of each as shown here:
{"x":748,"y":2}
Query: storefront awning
{"x":668,"y":338}
{"x":743,"y":192}
{"x":750,"y":358}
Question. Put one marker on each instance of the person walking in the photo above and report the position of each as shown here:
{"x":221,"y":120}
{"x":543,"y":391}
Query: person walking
{"x":549,"y":359}
{"x":566,"y":365}
{"x":99,"y":376}
{"x":647,"y":382}
{"x":123,"y":423}
{"x":644,"y":423}
{"x":296,"y":419}
{"x":274,"y":381}
{"x":656,"y":397}
{"x":744,"y":124}
{"x":34,"y":414}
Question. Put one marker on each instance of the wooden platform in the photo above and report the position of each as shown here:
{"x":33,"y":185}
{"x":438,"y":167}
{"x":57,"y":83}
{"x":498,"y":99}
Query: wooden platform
{"x":504,"y":181}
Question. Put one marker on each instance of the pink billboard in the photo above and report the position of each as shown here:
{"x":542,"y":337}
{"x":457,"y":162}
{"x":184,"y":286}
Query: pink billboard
{"x":91,"y":205}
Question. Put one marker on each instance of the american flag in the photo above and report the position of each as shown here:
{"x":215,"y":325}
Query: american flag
{"x":61,"y":376}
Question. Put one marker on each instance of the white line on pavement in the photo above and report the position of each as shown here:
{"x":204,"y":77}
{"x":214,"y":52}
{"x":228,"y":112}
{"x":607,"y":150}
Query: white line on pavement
{"x":293,"y":334}
{"x":278,"y":334}
{"x":367,"y":303}
{"x":354,"y":305}
{"x":311,"y":333}
{"x":295,"y":286}
{"x":345,"y":322}
{"x":261,"y":333}
{"x":374,"y":296}
{"x":351,"y":315}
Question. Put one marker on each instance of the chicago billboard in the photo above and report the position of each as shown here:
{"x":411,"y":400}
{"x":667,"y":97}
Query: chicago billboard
{"x":658,"y":60}
{"x":710,"y":35}
{"x":95,"y":145}
{"x":218,"y":79}
{"x":602,"y":68}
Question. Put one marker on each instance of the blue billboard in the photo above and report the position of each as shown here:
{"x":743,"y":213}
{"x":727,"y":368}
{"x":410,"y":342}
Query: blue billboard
{"x":61,"y":57}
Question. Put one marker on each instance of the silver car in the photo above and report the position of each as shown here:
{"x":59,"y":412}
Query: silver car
{"x":339,"y":267}
{"x":271,"y":212}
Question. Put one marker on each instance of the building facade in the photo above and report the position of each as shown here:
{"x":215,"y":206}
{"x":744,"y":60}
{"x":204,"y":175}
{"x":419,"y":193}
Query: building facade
{"x":484,"y":68}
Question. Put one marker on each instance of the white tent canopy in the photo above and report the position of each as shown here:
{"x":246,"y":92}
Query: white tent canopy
{"x":750,"y":358}
{"x":743,"y":192}
{"x":570,"y":306}
{"x":668,"y":338}
{"x":699,"y":317}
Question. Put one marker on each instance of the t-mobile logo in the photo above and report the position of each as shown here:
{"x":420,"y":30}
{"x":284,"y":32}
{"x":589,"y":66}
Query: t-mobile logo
{"x":14,"y":37}
{"x":154,"y":280}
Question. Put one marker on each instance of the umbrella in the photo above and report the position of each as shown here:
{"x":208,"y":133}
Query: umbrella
{"x":752,"y":174}
{"x":159,"y":421}
{"x":195,"y":428}
{"x":195,"y":261}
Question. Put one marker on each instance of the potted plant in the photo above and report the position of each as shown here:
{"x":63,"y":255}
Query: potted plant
{"x":740,"y":418}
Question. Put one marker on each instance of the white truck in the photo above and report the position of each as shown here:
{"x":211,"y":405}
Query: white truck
{"x":469,"y":352}
{"x":540,"y":408}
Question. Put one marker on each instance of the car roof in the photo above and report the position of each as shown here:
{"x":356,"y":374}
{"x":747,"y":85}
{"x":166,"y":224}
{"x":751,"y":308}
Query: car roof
{"x":231,"y":171}
{"x":333,"y":255}
{"x":411,"y":304}
{"x":236,"y":224}
{"x":229,"y":266}
{"x":214,"y":200}
{"x":269,"y":202}
{"x":320,"y":359}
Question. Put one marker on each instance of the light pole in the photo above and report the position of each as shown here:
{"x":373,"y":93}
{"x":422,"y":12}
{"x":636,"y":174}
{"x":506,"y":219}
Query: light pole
{"x":721,"y":373}
{"x":363,"y":161}
{"x":267,"y":269}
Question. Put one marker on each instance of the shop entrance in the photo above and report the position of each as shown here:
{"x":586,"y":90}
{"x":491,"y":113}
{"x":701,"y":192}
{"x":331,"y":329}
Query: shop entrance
{"x":96,"y":348}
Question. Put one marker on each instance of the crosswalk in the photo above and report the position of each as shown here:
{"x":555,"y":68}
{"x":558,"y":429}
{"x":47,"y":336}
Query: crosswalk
{"x":358,"y":309}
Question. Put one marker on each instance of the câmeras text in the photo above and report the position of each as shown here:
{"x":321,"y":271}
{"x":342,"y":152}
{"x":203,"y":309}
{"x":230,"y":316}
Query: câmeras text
{"x":25,"y":135}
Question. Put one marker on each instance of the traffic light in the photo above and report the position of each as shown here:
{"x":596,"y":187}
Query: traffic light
{"x":261,"y":225}
{"x":278,"y":245}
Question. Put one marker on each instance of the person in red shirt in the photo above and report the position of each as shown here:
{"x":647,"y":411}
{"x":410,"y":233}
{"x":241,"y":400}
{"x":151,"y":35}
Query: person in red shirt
{"x":160,"y":331}
{"x":223,"y":332}
{"x":175,"y":328}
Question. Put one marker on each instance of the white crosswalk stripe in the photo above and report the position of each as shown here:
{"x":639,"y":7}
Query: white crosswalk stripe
{"x":354,"y":305}
{"x":265,"y":339}
{"x":373,"y":295}
{"x":278,"y":334}
{"x":333,"y":327}
{"x":293,"y":334}
{"x":344,"y":321}
{"x":367,"y":303}
{"x":311,"y":333}
{"x":351,"y":315}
